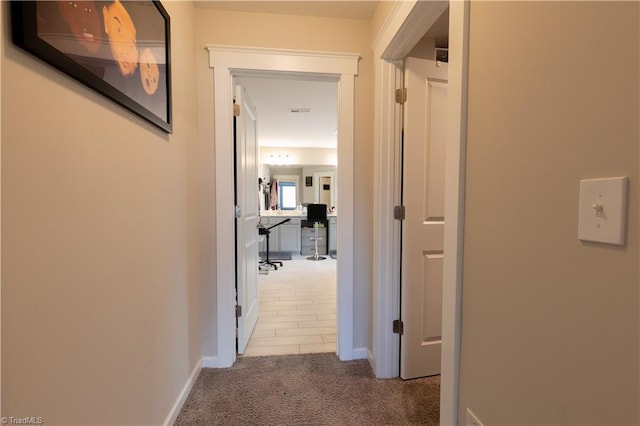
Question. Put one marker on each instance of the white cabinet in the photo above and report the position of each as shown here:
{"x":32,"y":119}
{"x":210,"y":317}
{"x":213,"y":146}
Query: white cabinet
{"x":290,"y":236}
{"x":333,"y":233}
{"x":285,"y":237}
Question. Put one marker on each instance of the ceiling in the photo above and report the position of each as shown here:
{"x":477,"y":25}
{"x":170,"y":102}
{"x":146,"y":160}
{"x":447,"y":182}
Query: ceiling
{"x":276,"y":97}
{"x":329,"y":9}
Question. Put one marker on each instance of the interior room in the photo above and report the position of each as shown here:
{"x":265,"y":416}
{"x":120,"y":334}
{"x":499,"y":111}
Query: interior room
{"x":296,"y":123}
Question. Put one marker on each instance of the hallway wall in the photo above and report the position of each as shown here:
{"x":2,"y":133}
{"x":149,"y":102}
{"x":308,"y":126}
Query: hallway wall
{"x":100,"y":245}
{"x":301,"y":33}
{"x":550,"y":323}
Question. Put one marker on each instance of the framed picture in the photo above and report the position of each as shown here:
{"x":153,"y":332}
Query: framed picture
{"x":308,"y":181}
{"x":121,"y":49}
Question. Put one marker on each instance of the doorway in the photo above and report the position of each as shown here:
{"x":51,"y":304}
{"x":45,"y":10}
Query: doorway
{"x":406,"y":27}
{"x":226,"y":62}
{"x":296,"y":166}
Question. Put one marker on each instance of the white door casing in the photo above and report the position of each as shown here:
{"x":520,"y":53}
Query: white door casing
{"x":247,"y":220}
{"x":425,"y":133}
{"x":230,"y":61}
{"x":404,"y":26}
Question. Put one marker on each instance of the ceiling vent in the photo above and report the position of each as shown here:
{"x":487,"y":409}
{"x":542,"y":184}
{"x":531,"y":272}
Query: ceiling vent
{"x":296,"y":110}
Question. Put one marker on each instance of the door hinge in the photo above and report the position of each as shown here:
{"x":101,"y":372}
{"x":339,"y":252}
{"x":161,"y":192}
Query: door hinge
{"x":238,"y":311}
{"x":236,"y":110}
{"x":398,"y":212}
{"x":238,"y":212}
{"x":398,"y":327}
{"x":401,"y":96}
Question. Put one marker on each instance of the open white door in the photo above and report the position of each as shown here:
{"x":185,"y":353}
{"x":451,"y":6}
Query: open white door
{"x":425,"y":124}
{"x":246,"y":176}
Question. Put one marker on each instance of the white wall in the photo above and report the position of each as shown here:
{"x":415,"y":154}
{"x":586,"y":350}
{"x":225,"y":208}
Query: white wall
{"x":299,"y":156}
{"x":100,"y":245}
{"x":425,"y":49}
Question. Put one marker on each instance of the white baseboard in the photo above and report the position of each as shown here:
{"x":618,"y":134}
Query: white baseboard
{"x":175,"y":410}
{"x":360,"y":353}
{"x":372,"y":360}
{"x":210,"y":362}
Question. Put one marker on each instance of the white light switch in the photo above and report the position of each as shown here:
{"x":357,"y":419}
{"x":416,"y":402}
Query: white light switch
{"x":603,"y":210}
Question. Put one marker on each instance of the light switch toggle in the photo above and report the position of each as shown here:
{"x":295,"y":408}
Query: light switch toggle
{"x":599,"y":208}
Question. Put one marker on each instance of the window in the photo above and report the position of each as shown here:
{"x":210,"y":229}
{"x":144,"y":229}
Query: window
{"x":287,"y":195}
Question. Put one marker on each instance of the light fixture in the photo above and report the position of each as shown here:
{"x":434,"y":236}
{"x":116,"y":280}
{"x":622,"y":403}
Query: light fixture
{"x":278,"y":159}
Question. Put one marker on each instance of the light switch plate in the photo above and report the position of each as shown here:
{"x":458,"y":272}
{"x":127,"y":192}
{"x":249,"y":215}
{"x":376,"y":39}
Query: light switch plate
{"x":603,"y":210}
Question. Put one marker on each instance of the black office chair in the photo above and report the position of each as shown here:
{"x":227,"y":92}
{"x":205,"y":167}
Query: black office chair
{"x":317,"y":214}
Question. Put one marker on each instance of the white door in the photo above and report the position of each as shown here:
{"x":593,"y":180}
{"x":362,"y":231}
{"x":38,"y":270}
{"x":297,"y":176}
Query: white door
{"x":423,"y":227}
{"x":247,"y":216}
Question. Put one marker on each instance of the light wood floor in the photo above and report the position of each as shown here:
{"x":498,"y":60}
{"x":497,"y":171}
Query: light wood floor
{"x":297,"y":309}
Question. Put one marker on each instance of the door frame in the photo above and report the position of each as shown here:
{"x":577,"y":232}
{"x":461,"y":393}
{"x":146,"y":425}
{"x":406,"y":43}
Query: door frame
{"x":403,"y":28}
{"x":228,"y":62}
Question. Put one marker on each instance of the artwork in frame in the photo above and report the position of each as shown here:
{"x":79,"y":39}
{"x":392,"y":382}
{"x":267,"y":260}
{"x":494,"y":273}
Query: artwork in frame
{"x":119,"y":48}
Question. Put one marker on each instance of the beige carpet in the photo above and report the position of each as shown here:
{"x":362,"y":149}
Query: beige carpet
{"x":312,"y":389}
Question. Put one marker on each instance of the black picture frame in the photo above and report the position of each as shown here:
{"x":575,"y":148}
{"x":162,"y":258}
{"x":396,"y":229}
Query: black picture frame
{"x":130,"y":64}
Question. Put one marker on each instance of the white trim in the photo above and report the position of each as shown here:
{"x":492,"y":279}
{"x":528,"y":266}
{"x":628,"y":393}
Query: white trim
{"x":283,"y":60}
{"x":391,"y":26}
{"x":345,"y":171}
{"x":184,"y":394}
{"x":372,"y":361}
{"x":360,"y":353}
{"x":284,"y":53}
{"x":455,"y":173}
{"x":210,"y":362}
{"x":386,"y":237}
{"x":386,"y":246}
{"x":404,"y":26}
{"x":226,"y":62}
{"x":423,"y":15}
